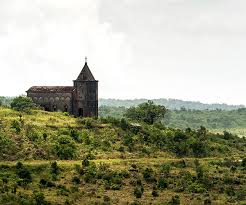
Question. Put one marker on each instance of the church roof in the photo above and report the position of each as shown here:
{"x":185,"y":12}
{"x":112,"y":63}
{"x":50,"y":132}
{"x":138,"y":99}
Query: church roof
{"x":85,"y":74}
{"x":51,"y":89}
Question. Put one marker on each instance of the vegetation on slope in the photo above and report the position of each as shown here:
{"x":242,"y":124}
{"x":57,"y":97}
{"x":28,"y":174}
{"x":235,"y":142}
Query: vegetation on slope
{"x":145,"y":181}
{"x":44,"y":135}
{"x":116,"y":161}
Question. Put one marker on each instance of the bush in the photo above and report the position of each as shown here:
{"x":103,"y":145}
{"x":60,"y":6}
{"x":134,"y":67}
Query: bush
{"x":65,"y":148}
{"x":76,"y":180}
{"x":138,"y":192}
{"x":207,"y":202}
{"x":75,"y":135}
{"x":175,"y":200}
{"x":23,"y":172}
{"x":165,"y":169}
{"x":39,"y":198}
{"x":22,"y":103}
{"x":45,"y":183}
{"x":16,"y":125}
{"x":148,"y":174}
{"x":54,"y":168}
{"x":7,"y":147}
{"x":155,"y":192}
{"x":162,"y":183}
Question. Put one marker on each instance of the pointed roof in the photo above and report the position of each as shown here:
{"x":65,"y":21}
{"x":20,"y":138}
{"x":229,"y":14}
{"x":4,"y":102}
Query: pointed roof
{"x":85,"y":74}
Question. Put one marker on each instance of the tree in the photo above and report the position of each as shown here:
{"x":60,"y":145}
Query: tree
{"x":147,"y":112}
{"x":1,"y":103}
{"x":22,"y":103}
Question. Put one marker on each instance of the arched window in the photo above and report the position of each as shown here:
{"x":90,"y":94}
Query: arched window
{"x":65,"y":108}
{"x":54,"y":108}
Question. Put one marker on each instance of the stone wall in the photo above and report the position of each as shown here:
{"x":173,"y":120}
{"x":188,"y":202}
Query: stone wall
{"x":53,"y":101}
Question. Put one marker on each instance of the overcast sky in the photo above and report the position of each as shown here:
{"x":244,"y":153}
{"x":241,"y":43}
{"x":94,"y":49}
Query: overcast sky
{"x":183,"y":49}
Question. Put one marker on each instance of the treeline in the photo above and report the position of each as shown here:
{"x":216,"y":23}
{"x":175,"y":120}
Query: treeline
{"x":5,"y":100}
{"x":172,"y":104}
{"x":211,"y":119}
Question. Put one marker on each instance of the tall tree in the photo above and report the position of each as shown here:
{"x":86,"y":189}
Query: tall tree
{"x":147,"y":112}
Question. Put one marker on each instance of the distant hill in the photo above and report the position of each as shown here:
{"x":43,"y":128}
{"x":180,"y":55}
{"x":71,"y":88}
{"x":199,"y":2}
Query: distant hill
{"x":6,"y":100}
{"x":172,"y":104}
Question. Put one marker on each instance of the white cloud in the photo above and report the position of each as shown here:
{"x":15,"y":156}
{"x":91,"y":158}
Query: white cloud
{"x":44,"y":42}
{"x":186,"y":49}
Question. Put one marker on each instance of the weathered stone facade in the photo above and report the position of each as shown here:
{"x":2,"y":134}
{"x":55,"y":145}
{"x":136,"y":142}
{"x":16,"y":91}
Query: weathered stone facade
{"x":79,"y":100}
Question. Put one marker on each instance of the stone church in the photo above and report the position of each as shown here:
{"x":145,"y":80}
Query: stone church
{"x":80,"y":100}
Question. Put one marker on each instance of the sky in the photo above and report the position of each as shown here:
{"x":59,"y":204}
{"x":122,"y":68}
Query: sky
{"x":182,"y":49}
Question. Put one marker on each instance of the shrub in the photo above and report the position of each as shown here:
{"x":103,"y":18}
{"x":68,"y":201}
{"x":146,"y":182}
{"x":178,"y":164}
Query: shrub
{"x":207,"y":202}
{"x":7,"y":147}
{"x":90,"y":173}
{"x":39,"y":198}
{"x":76,"y":180}
{"x":106,"y":199}
{"x":148,"y":174}
{"x":23,"y":172}
{"x":65,"y":148}
{"x":162,"y":183}
{"x":45,"y":183}
{"x":54,"y":169}
{"x":45,"y":136}
{"x":22,"y":103}
{"x":155,"y":192}
{"x":75,"y":135}
{"x":175,"y":200}
{"x":138,"y":192}
{"x":87,"y":122}
{"x":196,"y":188}
{"x":85,"y":162}
{"x":165,"y":169}
{"x":16,"y":125}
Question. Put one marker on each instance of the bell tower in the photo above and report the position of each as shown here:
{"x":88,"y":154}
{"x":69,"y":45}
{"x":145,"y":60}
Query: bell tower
{"x":85,"y":94}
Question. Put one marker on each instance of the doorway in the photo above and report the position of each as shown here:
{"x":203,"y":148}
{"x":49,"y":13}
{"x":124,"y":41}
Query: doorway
{"x":81,"y":112}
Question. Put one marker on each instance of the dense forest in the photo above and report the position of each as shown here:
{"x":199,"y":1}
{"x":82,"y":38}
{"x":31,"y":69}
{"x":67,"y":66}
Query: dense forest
{"x":217,"y":120}
{"x":54,"y":158}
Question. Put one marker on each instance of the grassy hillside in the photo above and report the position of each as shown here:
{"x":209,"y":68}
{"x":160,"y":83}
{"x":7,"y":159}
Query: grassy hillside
{"x":110,"y":161}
